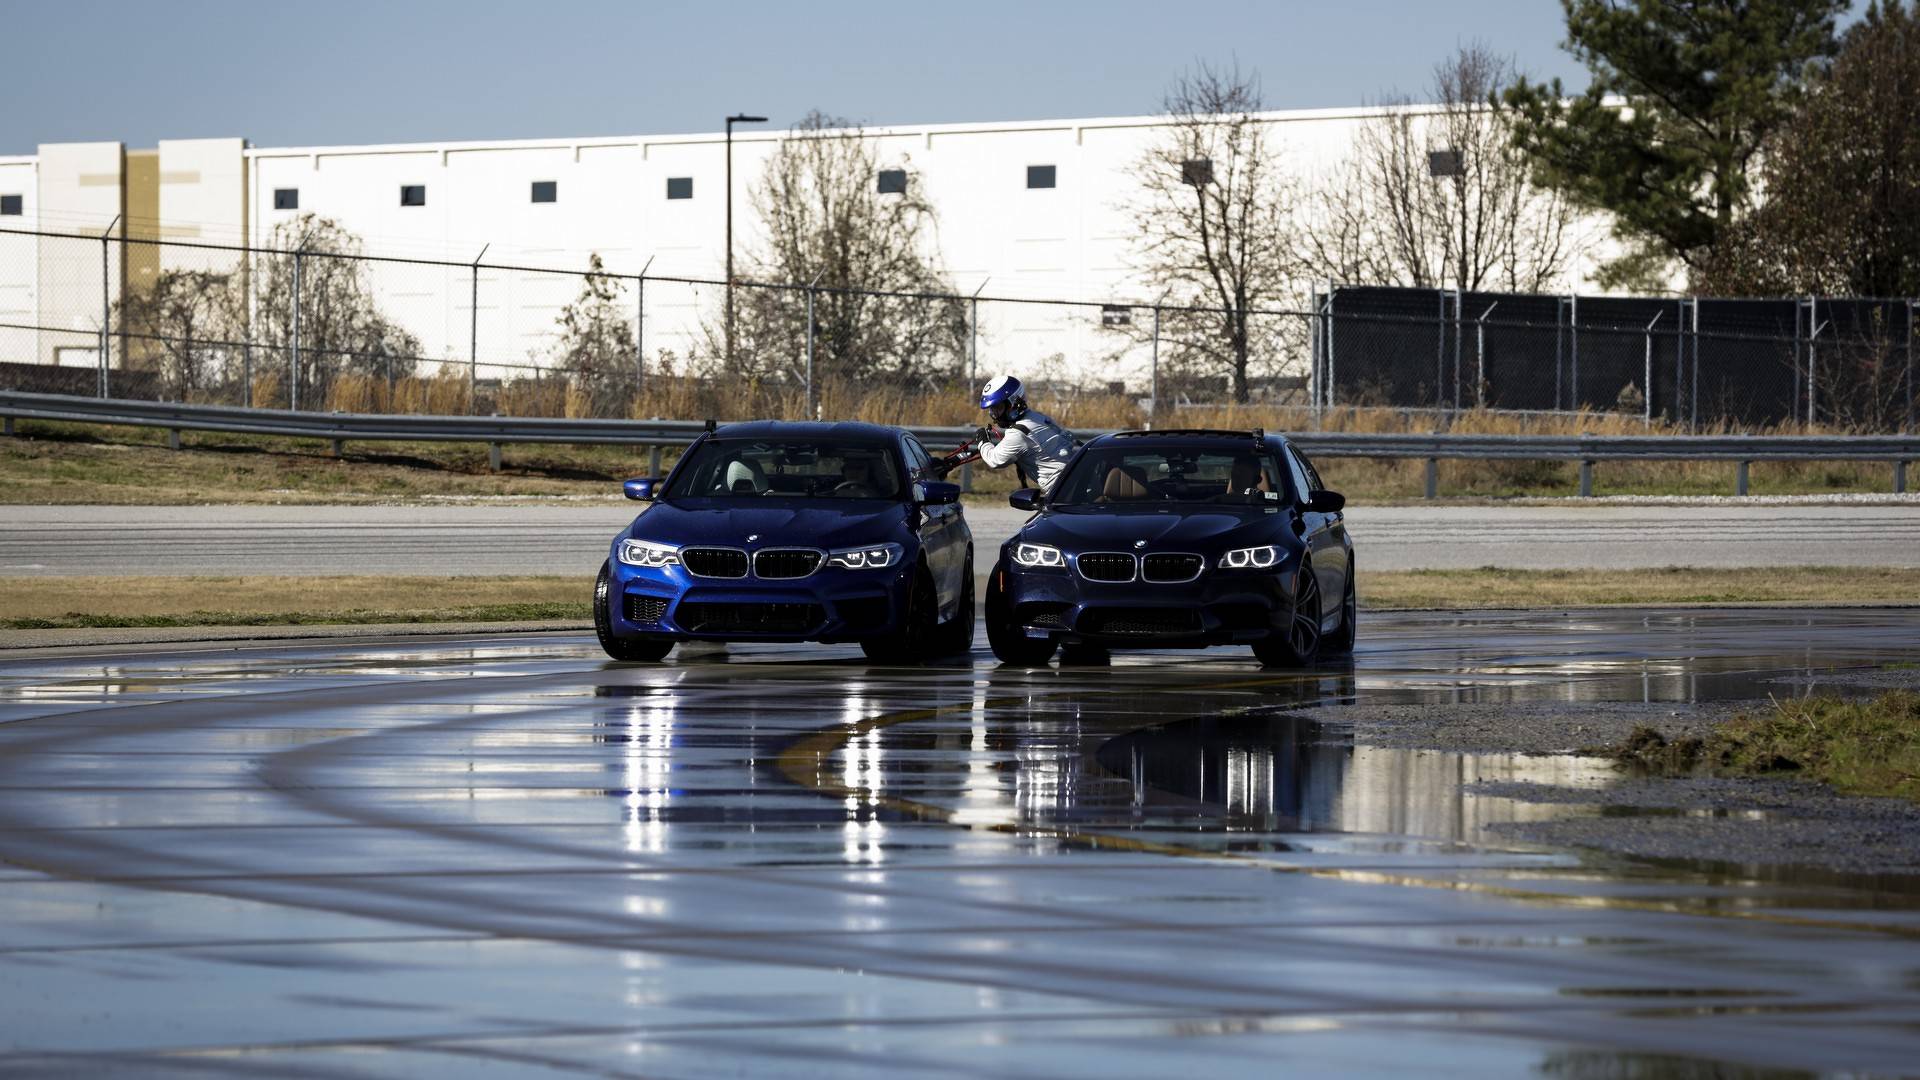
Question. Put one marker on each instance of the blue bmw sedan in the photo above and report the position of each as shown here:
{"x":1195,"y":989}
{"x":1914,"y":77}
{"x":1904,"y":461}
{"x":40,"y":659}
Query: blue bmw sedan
{"x":772,"y":531}
{"x":1167,"y":539}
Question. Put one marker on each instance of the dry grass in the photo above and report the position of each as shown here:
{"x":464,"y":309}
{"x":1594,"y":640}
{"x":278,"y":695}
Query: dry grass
{"x":1494,"y":588}
{"x":51,"y":602}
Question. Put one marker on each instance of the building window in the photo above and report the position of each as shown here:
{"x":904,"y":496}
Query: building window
{"x":10,"y":205}
{"x":893,"y":181}
{"x":1445,"y":163}
{"x":413,"y":195}
{"x":1039,"y":176}
{"x":286,"y":198}
{"x":546,"y":191}
{"x":679,"y":187}
{"x":1197,"y":171}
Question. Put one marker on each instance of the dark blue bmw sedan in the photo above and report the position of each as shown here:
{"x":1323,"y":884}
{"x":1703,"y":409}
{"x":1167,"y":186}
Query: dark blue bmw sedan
{"x":772,"y":531}
{"x":1164,"y":539}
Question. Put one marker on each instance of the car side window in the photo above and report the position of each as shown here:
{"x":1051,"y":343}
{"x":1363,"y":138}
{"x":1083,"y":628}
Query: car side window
{"x":919,"y":462}
{"x":1313,"y":474}
{"x":1302,"y":489}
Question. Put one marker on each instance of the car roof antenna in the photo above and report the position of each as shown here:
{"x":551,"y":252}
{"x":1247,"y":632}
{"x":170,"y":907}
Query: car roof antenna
{"x":711,"y":424}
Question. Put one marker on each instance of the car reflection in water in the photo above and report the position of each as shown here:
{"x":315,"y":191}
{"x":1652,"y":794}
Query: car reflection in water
{"x":1285,"y":772}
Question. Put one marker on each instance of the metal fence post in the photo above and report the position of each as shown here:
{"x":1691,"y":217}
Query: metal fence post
{"x":473,"y":337}
{"x":1440,"y":353}
{"x":640,"y":329}
{"x":106,"y":304}
{"x":1153,"y":373}
{"x":810,"y":400}
{"x":1459,"y":315}
{"x":293,"y":365}
{"x":1332,"y":320}
{"x":1647,"y":386}
{"x":1693,"y":420}
{"x":1573,"y":353}
{"x":1480,"y":351}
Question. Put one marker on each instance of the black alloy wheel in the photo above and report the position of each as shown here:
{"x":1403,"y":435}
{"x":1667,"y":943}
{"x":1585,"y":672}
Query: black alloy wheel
{"x":1299,"y":644}
{"x":625,"y":649}
{"x":915,"y":639}
{"x":1341,"y":640}
{"x":1011,"y":644}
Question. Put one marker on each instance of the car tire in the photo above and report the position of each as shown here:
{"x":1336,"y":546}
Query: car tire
{"x":1341,"y":640}
{"x":1010,"y":644}
{"x":919,"y":628}
{"x":955,"y":636}
{"x":1298,"y":645}
{"x":625,"y":649}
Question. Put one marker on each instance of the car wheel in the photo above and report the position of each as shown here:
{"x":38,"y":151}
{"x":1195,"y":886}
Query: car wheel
{"x":1299,"y":643}
{"x":631,"y":650}
{"x":917,"y":633}
{"x":956,"y":634}
{"x":1341,"y":640}
{"x":1010,"y":644}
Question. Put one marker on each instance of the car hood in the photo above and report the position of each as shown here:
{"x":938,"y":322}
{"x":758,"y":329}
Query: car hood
{"x":785,"y":523}
{"x":1186,"y":528}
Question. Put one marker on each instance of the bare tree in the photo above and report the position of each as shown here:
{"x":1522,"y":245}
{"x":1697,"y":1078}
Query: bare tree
{"x":182,"y":324}
{"x":1436,"y":196}
{"x":1213,"y":211}
{"x":341,"y":325}
{"x":595,"y":347}
{"x":828,"y":221}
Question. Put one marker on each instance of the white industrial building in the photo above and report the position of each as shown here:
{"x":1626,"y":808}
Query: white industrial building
{"x":1028,"y":209}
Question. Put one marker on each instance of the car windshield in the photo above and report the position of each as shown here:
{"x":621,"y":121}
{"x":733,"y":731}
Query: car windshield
{"x":758,"y":468}
{"x":1163,"y":474}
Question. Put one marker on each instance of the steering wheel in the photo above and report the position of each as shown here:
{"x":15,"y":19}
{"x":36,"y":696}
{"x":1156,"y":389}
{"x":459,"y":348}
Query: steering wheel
{"x":853,"y":489}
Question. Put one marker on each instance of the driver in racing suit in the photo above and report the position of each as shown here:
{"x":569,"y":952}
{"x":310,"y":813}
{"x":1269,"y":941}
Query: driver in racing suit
{"x":1030,"y":441}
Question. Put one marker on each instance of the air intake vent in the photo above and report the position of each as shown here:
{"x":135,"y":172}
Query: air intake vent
{"x":785,"y":562}
{"x":1140,"y":621}
{"x":715,"y":562}
{"x":646,"y":610}
{"x":1171,"y":567}
{"x":719,"y":618}
{"x":1106,"y":566}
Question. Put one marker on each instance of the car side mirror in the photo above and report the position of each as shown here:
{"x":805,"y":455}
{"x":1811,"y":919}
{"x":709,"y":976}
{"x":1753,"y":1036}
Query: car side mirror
{"x":642,"y":489}
{"x":1027,"y":499}
{"x":1327,"y":502}
{"x":938,"y":493}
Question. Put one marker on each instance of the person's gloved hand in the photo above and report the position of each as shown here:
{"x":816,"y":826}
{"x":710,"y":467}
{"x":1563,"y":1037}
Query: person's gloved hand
{"x":982,"y":434}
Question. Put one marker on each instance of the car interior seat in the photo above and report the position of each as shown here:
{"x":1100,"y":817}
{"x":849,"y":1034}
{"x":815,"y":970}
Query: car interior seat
{"x":745,"y":478}
{"x":1124,"y":482}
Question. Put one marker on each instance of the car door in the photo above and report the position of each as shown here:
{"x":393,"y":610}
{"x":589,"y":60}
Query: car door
{"x":939,"y":528}
{"x":1325,"y":534}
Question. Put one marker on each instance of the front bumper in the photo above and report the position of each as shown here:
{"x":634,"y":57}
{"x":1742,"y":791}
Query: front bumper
{"x":831,"y":604}
{"x":1218,"y":608}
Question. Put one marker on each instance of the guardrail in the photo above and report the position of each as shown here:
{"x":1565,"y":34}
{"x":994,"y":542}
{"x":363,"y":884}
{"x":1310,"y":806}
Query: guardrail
{"x":498,"y":431}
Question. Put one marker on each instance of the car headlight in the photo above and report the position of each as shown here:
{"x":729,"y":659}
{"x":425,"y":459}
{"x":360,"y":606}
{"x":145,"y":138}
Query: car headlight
{"x":1038,"y":555}
{"x":1252,"y":558}
{"x":875,"y":557}
{"x":649,"y":554}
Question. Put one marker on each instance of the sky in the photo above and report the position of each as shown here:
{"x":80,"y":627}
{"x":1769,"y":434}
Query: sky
{"x":331,"y":72}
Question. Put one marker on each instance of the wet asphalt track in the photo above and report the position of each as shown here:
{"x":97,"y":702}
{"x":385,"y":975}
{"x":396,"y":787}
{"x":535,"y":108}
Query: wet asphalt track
{"x":496,"y":856}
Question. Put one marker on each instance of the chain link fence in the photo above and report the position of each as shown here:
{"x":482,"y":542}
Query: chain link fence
{"x":321,"y":330}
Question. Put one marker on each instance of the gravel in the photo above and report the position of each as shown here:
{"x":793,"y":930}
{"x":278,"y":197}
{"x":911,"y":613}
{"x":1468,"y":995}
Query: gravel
{"x":1534,"y":727}
{"x":1762,"y":824}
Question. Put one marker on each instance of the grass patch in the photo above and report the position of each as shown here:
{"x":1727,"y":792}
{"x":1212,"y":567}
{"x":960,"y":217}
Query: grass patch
{"x":51,"y":603}
{"x":1866,"y":747}
{"x":1489,"y":587}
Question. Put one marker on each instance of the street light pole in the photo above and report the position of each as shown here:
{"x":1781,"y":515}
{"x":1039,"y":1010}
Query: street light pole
{"x":740,"y":118}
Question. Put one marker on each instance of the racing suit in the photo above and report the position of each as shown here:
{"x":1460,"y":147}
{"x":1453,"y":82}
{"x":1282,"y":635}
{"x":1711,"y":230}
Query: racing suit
{"x":1038,"y":446}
